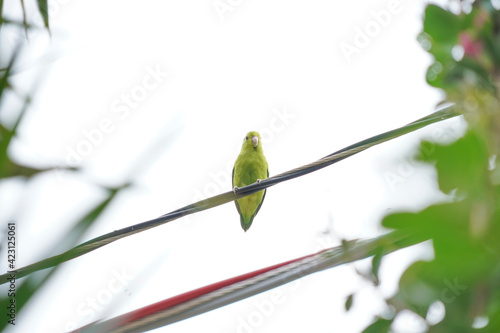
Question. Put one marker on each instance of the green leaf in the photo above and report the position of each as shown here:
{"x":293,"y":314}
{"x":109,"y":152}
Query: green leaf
{"x":442,"y":25}
{"x":460,"y":165}
{"x":1,"y":13}
{"x":42,"y":7}
{"x":348,"y":302}
{"x":379,"y":326}
{"x":376,"y":261}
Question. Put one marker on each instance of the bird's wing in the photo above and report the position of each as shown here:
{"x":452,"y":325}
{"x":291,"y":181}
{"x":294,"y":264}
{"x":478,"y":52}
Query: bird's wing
{"x":235,"y":201}
{"x":263,"y":197}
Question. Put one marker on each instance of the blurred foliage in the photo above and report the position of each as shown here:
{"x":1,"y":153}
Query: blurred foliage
{"x":43,"y":10}
{"x":462,"y":281}
{"x":27,"y":287}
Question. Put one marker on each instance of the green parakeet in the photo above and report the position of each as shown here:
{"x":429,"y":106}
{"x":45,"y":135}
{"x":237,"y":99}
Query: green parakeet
{"x":250,"y":167}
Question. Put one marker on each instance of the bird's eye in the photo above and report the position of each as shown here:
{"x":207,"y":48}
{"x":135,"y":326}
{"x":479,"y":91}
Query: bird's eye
{"x":246,"y":138}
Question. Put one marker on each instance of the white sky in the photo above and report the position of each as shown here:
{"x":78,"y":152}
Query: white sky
{"x":276,"y":67}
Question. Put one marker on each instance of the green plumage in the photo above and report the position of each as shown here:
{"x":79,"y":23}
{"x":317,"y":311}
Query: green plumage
{"x":250,"y":167}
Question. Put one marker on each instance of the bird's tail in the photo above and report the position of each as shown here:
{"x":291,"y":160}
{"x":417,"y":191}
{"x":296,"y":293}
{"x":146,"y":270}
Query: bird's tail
{"x":246,"y":224}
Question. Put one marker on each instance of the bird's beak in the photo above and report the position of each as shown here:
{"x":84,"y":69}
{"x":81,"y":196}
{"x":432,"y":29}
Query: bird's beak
{"x":255,"y":141}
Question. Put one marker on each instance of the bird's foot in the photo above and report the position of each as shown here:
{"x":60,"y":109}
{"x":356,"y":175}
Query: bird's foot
{"x":236,"y":188}
{"x":258,"y":181}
